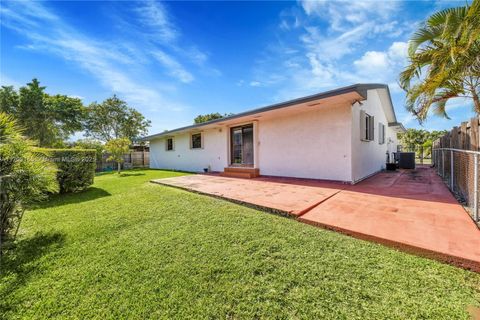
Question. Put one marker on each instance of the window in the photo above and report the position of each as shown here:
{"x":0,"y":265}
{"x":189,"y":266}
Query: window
{"x":366,"y":126}
{"x":196,"y":141}
{"x":169,"y":144}
{"x":381,"y":133}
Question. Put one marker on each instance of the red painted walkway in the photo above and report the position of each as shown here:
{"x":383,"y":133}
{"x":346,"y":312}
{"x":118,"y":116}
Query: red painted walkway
{"x":411,"y":210}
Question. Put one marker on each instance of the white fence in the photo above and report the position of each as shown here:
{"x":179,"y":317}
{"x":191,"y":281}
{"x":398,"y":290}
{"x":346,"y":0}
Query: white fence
{"x":459,"y":169}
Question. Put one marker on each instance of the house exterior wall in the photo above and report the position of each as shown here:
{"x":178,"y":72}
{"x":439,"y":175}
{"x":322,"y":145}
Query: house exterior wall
{"x":313,"y":144}
{"x":213,"y":154}
{"x":370,"y":156}
{"x":321,"y":143}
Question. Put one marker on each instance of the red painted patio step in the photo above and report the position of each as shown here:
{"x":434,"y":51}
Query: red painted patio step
{"x":240,"y":172}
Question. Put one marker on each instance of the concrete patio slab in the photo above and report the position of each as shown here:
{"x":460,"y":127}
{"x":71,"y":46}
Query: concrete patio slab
{"x":286,"y":196}
{"x":411,"y":210}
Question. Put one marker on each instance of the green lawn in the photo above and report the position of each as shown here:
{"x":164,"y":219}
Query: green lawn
{"x":127,"y":248}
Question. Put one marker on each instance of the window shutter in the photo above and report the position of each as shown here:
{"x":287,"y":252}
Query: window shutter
{"x":372,"y":128}
{"x":383,"y":133}
{"x":380,"y":133}
{"x":363,"y":127}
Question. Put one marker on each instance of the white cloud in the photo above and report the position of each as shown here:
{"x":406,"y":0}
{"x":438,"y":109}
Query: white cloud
{"x":333,"y":47}
{"x":116,"y":69}
{"x":174,"y":67}
{"x":372,"y":61}
{"x":341,"y":15}
{"x":289,"y":19}
{"x":160,"y":31}
{"x":382,"y":64}
{"x":154,"y":16}
{"x":77,"y":97}
{"x":398,"y":52}
{"x":351,"y":24}
{"x":319,"y":69}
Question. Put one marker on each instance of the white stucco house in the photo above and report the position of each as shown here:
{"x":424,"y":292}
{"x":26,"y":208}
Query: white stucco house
{"x":342,"y":134}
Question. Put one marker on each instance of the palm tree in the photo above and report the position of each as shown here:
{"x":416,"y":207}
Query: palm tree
{"x":447,"y":50}
{"x":25,"y":177}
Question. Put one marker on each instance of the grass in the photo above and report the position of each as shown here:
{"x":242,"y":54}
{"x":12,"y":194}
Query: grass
{"x":127,"y":248}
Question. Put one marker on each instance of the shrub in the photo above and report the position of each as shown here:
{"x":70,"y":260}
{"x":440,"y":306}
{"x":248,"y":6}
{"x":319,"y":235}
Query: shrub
{"x":76,"y":167}
{"x":24,"y":177}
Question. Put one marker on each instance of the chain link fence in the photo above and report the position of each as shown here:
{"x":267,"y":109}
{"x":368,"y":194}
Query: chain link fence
{"x":459,"y":170}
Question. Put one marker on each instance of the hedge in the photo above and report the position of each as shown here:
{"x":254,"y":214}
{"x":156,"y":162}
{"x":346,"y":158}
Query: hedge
{"x":76,"y":167}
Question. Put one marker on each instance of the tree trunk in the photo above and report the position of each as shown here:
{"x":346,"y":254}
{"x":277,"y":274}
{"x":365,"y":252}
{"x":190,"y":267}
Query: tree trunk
{"x":476,"y":101}
{"x":118,"y":167}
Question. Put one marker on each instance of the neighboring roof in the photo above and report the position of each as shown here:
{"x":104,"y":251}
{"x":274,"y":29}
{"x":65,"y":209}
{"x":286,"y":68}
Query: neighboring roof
{"x":360,"y":88}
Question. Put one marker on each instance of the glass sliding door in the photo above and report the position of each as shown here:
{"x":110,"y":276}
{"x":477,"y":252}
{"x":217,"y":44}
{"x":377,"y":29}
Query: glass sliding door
{"x":241,"y":139}
{"x":236,"y":146}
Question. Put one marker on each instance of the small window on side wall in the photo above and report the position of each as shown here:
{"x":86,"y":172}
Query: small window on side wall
{"x":169,"y":144}
{"x":366,"y":126}
{"x":196,"y":141}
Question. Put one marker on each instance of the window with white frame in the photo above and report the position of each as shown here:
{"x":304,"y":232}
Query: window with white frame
{"x":196,"y":141}
{"x":169,"y":144}
{"x":366,"y":126}
{"x":381,"y":133}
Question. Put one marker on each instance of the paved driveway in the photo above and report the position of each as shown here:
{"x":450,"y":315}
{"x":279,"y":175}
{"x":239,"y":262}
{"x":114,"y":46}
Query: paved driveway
{"x":410,"y":210}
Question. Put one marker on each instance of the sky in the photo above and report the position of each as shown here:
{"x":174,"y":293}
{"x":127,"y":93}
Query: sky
{"x":175,"y":60}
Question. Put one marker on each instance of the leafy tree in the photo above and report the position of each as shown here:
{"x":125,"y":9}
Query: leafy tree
{"x":113,"y":119}
{"x":117,"y":148}
{"x":90,"y":144}
{"x":414,"y":137}
{"x":210,"y":116}
{"x":25,"y":176}
{"x":435,"y":134}
{"x":49,"y":120}
{"x":8,"y":100}
{"x":447,"y":50}
{"x":68,"y":113}
{"x":420,"y":141}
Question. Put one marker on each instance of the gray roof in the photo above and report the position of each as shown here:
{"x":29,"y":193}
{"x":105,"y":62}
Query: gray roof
{"x":360,"y":88}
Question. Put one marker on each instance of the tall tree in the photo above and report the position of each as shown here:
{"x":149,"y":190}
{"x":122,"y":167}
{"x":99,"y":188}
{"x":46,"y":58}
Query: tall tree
{"x":113,"y":119}
{"x":444,"y":56}
{"x":67,"y":113}
{"x":32,"y":114}
{"x":46,"y":119}
{"x":210,"y":116}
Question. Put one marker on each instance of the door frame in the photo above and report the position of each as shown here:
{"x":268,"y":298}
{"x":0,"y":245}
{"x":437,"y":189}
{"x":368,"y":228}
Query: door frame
{"x":255,"y":144}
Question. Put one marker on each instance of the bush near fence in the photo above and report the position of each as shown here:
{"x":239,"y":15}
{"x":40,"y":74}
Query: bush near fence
{"x":76,"y":167}
{"x":135,"y":159}
{"x":456,"y":158}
